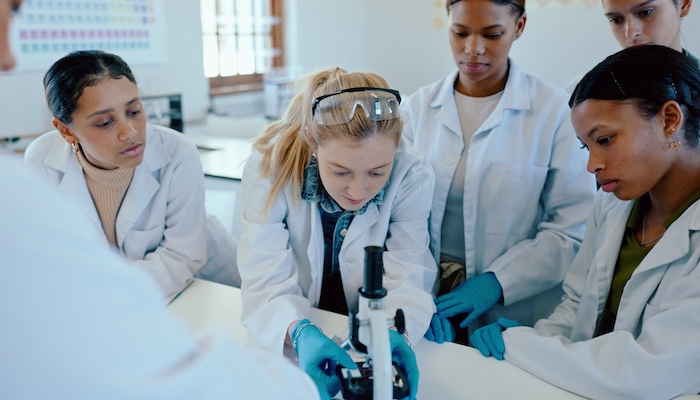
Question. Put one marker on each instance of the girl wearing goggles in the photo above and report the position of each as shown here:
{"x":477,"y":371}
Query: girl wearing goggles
{"x":329,"y":178}
{"x":511,"y":193}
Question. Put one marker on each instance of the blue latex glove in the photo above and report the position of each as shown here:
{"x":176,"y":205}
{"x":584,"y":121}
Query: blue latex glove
{"x":440,"y":330}
{"x":402,"y":353}
{"x":318,"y":356}
{"x":489,"y":339}
{"x":475,"y":296}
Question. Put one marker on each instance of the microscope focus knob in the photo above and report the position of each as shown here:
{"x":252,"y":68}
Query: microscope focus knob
{"x":400,"y":321}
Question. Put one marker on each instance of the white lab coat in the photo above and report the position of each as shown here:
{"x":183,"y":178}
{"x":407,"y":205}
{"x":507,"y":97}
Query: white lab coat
{"x":654,"y":350}
{"x":280,"y":255}
{"x":526,"y":190}
{"x":77,"y":323}
{"x":161,"y":223}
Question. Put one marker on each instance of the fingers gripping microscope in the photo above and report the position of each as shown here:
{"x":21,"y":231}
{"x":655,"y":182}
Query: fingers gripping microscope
{"x":378,"y":377}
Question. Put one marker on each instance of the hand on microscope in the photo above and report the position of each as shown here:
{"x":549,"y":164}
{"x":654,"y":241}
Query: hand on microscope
{"x":403,"y":355}
{"x":318,"y":356}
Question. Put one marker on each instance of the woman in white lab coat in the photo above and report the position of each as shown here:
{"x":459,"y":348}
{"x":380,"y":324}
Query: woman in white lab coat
{"x":328,"y":179}
{"x":142,"y":185}
{"x":628,"y":324}
{"x":511,"y":193}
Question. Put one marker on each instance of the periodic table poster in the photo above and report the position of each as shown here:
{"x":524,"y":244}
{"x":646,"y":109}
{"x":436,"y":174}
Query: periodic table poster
{"x":46,"y":30}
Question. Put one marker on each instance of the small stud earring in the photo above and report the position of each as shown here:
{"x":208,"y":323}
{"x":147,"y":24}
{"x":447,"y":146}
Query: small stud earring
{"x":75,"y":147}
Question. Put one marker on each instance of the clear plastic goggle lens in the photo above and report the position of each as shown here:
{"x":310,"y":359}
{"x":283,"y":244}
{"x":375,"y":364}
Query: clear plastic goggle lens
{"x":340,"y":108}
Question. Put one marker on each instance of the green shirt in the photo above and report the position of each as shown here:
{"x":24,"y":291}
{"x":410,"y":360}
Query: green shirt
{"x":630,"y":256}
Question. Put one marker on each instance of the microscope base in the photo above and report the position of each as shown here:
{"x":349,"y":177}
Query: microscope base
{"x":357,"y":384}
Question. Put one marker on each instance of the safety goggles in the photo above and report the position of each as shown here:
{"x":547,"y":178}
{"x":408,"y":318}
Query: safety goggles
{"x":378,"y":104}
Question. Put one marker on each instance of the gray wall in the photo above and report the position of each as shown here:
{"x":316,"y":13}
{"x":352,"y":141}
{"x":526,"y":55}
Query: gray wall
{"x":400,"y":40}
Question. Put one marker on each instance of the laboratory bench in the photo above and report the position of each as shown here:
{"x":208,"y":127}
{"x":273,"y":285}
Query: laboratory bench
{"x":447,"y":371}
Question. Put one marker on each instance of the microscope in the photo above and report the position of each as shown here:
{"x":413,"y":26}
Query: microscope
{"x":377,"y":377}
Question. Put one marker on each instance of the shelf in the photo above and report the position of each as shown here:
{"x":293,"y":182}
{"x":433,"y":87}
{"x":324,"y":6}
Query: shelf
{"x":162,"y":107}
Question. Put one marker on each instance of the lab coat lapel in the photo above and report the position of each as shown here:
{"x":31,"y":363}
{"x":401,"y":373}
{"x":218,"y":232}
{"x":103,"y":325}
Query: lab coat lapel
{"x":447,"y":114}
{"x":609,"y":244}
{"x":144,"y":185}
{"x":73,"y":184}
{"x":363,"y":223}
{"x":515,"y":97}
{"x":646,"y":278}
{"x":315,"y":251}
{"x":664,"y":252}
{"x":141,"y":190}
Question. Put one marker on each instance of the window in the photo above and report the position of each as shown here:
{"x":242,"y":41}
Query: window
{"x":242,"y":40}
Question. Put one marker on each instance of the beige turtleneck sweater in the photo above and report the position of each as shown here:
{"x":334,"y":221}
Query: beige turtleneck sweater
{"x":107,"y":188}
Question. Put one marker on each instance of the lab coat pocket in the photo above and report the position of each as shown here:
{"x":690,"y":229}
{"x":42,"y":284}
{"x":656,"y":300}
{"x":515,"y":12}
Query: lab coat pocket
{"x":140,"y":242}
{"x":513,"y":198}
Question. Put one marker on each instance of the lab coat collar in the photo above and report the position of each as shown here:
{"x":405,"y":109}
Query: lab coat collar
{"x":361,"y":224}
{"x":60,"y":157}
{"x":674,"y":245}
{"x":645,"y":279}
{"x":156,"y":156}
{"x":447,"y":106}
{"x":146,"y":180}
{"x":516,"y":96}
{"x":73,"y":185}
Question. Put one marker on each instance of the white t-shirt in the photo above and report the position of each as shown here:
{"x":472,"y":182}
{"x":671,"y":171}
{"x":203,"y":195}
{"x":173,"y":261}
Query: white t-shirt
{"x":473,"y":111}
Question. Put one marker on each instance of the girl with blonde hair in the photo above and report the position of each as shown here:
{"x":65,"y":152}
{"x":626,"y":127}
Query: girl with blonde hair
{"x":331,"y":177}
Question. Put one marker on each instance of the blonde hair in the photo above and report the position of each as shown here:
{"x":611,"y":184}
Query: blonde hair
{"x":288,"y":143}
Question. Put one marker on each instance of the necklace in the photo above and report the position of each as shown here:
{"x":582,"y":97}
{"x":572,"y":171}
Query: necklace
{"x":646,"y":242}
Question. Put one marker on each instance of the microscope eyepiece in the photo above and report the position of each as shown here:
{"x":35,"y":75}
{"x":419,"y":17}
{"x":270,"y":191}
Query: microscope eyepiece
{"x":374,"y":271}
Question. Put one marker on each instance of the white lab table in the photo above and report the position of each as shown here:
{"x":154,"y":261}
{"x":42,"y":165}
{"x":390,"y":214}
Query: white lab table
{"x":447,"y":371}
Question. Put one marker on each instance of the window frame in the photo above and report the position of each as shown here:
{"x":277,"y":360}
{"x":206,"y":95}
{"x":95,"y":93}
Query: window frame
{"x":222,"y":85}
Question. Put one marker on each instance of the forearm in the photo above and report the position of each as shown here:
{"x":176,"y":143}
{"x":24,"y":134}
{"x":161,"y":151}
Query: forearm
{"x":592,"y":369}
{"x":534,"y":266}
{"x":169,"y":269}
